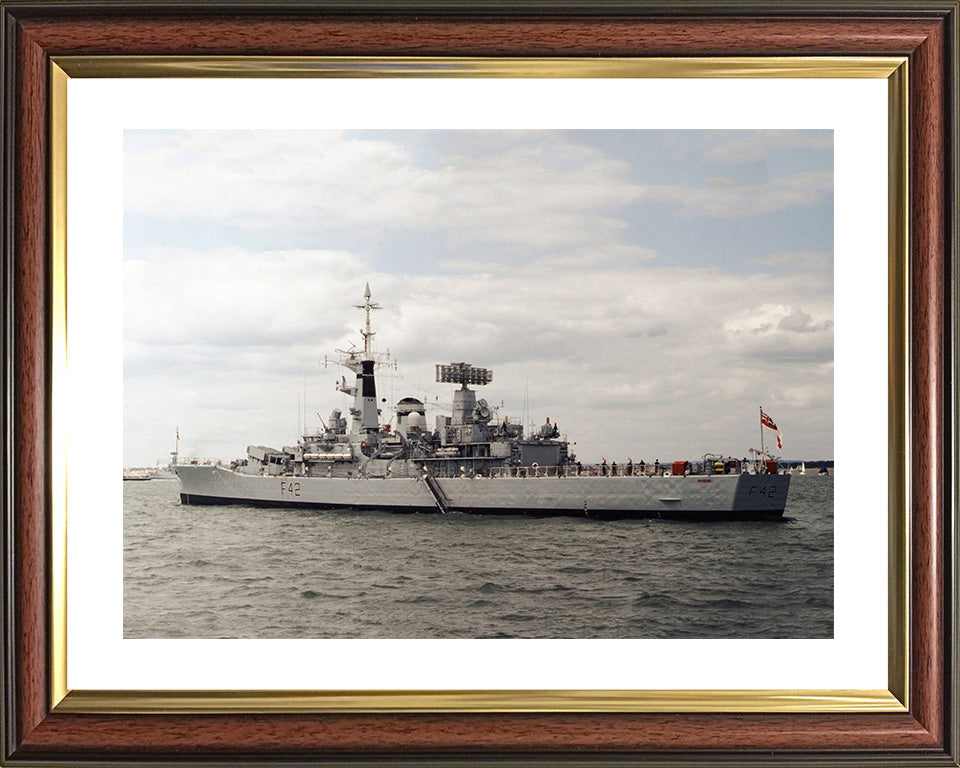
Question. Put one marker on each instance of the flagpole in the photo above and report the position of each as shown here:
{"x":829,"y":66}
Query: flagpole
{"x":763,"y":453}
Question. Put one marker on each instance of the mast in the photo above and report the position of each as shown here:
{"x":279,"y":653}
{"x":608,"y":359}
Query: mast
{"x":763,"y":453}
{"x":365,"y":396}
{"x":365,"y":413}
{"x":367,"y":306}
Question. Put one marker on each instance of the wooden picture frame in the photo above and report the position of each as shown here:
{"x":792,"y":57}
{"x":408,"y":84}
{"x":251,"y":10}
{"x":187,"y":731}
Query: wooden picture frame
{"x":38,"y":732}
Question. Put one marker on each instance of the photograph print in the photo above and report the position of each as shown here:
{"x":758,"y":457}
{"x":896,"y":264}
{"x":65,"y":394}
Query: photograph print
{"x":478,"y":384}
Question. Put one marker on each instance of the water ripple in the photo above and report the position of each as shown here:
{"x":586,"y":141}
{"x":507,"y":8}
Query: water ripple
{"x":236,"y":572}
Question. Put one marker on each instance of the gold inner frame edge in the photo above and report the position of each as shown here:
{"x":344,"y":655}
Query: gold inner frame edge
{"x":894,"y":69}
{"x":431,"y":66}
{"x":729,"y":701}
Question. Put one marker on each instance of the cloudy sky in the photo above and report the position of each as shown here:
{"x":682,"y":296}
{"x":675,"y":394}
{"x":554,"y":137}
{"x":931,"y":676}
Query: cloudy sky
{"x":646,"y":290}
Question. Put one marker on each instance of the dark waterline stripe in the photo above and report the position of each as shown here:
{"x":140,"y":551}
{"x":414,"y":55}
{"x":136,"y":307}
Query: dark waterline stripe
{"x":700,"y":515}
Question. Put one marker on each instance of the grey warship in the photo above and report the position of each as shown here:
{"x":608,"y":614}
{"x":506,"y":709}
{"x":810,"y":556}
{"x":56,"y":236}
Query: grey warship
{"x":472,"y":461}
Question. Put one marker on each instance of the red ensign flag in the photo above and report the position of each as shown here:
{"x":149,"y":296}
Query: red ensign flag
{"x":769,"y":424}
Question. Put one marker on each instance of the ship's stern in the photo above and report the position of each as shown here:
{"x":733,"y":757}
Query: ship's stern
{"x":761,"y":495}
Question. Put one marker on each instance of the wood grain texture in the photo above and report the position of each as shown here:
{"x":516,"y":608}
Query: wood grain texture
{"x":30,"y":419}
{"x":256,"y":734}
{"x":41,"y":735}
{"x":929,"y":411}
{"x":465,"y":37}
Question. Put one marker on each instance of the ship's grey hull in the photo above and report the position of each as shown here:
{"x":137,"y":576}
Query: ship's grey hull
{"x":716,"y":497}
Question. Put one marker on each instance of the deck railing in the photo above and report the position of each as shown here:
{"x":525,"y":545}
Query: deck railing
{"x":610,"y":470}
{"x":582,"y":470}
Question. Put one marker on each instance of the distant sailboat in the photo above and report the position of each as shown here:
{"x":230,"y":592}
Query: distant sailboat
{"x":803,"y":468}
{"x":823,"y":470}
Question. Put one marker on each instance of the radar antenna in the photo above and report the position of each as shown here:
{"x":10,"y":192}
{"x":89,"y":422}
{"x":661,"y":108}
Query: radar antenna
{"x":463,"y":373}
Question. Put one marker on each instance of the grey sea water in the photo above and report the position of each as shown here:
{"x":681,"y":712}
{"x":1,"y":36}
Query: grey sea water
{"x":241,"y":572}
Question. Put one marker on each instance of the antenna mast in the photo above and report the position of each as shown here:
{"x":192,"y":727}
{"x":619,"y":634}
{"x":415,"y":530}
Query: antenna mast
{"x":763,"y":451}
{"x":367,"y":306}
{"x":366,"y":415}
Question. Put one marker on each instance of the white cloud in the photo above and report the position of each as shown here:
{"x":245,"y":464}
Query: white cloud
{"x":539,"y":275}
{"x":624,"y":359}
{"x":542,"y":192}
{"x":231,"y":297}
{"x":323,"y":181}
{"x":781,"y":332}
{"x":278,"y":178}
{"x":729,"y":201}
